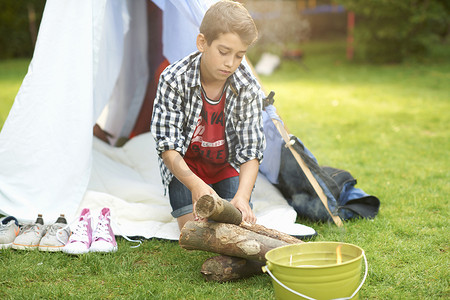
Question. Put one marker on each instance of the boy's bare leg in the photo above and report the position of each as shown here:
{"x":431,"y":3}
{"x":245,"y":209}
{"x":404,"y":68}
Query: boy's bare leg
{"x":188,"y":217}
{"x":184,"y":218}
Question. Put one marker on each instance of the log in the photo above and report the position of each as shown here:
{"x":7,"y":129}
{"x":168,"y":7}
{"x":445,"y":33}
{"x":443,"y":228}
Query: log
{"x":227,"y":239}
{"x":272,"y":233}
{"x":217,"y":209}
{"x":225,"y":268}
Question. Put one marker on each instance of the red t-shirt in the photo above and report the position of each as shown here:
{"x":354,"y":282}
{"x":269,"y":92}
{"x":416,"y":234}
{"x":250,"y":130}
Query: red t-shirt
{"x":207,"y":153}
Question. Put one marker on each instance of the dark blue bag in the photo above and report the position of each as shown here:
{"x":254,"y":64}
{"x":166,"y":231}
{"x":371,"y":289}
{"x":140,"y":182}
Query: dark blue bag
{"x":344,"y":199}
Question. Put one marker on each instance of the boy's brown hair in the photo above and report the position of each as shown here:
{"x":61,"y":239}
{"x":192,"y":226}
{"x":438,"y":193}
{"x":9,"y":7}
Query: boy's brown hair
{"x":228,"y":16}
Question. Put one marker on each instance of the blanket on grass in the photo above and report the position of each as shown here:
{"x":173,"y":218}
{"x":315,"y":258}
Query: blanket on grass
{"x":127,"y":180}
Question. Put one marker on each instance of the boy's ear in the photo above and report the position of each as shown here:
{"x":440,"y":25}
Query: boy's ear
{"x":201,"y":42}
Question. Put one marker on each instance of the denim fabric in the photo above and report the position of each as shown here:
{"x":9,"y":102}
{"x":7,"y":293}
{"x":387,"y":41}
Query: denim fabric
{"x":181,"y":198}
{"x":354,"y":202}
{"x":338,"y":186}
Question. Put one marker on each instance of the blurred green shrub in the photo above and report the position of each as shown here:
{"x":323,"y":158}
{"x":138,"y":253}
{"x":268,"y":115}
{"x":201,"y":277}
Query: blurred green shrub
{"x":390,"y":31}
{"x":19,"y":23}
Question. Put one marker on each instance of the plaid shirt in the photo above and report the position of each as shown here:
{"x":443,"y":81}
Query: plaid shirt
{"x":178,"y":104}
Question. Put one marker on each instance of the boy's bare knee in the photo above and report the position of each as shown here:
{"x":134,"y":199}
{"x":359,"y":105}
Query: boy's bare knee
{"x":184,"y":218}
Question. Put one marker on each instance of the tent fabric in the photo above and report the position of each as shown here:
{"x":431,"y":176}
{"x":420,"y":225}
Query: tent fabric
{"x":78,"y":68}
{"x":46,"y":141}
{"x":127,"y":181}
{"x":157,"y":63}
{"x":90,"y":65}
{"x":125,"y":99}
{"x":181,"y":14}
{"x":110,"y":25}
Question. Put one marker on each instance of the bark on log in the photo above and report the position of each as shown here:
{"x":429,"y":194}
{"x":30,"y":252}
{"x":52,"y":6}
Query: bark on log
{"x":227,"y":239}
{"x":217,"y":209}
{"x":227,"y":268}
{"x":275,"y":234}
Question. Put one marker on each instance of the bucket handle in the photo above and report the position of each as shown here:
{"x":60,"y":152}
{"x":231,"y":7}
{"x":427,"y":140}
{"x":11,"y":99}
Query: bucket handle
{"x":266,"y":269}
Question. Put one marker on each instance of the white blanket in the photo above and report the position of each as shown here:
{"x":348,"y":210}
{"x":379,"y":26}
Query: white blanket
{"x":127,"y":180}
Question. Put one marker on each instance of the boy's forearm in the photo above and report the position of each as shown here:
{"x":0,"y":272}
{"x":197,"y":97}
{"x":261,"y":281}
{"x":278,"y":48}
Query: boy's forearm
{"x":247,"y":178}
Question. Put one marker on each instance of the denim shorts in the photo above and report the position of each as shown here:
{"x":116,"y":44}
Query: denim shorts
{"x":181,"y":198}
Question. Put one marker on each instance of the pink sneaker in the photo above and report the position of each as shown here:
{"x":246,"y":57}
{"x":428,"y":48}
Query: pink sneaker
{"x":103,"y":239}
{"x":81,"y":238}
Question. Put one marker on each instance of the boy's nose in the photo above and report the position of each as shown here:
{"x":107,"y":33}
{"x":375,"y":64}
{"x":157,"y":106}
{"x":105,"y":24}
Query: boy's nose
{"x":228,"y":62}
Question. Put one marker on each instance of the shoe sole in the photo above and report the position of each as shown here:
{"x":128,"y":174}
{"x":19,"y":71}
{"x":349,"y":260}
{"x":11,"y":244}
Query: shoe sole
{"x":24,"y":247}
{"x":5,"y":246}
{"x":51,"y":248}
{"x":103,"y":251}
{"x":75,"y":253}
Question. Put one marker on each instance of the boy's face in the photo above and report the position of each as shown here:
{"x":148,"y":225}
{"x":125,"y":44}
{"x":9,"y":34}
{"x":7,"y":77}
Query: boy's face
{"x":221,"y":58}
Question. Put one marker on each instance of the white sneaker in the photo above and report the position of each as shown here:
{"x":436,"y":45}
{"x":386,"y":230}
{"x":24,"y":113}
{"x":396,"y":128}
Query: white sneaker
{"x":9,"y":230}
{"x":30,"y":236}
{"x":81,"y":238}
{"x":56,"y":237}
{"x":103,"y":239}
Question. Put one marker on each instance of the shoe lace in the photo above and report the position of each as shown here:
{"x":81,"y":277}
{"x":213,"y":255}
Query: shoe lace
{"x":102,"y":230}
{"x":25,"y":228}
{"x":55,"y":229}
{"x":122,"y":235}
{"x":79,"y":231}
{"x":33,"y":228}
{"x":66,"y":228}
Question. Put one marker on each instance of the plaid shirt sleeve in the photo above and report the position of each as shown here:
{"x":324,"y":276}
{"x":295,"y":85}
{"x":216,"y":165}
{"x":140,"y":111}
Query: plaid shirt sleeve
{"x":168,"y":118}
{"x":245,"y":138}
{"x":248,"y":125}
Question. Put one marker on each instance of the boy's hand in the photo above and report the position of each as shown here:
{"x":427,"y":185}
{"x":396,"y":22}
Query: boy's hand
{"x":198,"y":191}
{"x":242,"y":205}
{"x":247,"y":178}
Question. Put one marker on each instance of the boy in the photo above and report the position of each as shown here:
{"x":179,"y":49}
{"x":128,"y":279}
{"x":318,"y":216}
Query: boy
{"x":207,"y":120}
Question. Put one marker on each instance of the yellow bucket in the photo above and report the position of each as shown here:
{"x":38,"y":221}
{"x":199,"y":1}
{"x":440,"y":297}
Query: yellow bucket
{"x":316,"y":270}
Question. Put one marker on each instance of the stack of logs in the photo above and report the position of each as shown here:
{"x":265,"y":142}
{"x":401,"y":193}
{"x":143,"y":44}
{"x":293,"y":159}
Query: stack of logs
{"x":243,"y":246}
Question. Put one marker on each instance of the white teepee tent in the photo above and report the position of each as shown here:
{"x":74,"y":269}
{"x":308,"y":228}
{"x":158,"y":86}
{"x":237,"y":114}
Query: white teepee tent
{"x":91,"y":64}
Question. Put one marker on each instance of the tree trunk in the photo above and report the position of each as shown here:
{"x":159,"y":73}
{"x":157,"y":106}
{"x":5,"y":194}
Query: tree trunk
{"x":32,"y":23}
{"x":226,"y":268}
{"x":217,"y":209}
{"x":227,"y":239}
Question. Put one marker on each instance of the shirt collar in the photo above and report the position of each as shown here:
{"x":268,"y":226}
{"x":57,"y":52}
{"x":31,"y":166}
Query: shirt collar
{"x":235,"y":81}
{"x":194,"y":70}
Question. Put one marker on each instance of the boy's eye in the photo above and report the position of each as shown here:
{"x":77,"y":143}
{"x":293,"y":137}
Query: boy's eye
{"x":222,"y":53}
{"x":239,"y":57}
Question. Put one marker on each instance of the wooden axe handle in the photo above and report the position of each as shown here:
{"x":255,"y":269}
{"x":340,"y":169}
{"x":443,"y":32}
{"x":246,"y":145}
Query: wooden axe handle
{"x":284,"y":134}
{"x":317,"y":188}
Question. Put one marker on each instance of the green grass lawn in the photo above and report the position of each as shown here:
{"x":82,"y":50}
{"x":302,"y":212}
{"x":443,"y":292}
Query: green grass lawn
{"x":12,"y":73}
{"x":388,"y":125}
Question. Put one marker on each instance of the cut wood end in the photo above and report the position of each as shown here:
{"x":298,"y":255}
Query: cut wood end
{"x":205,"y":206}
